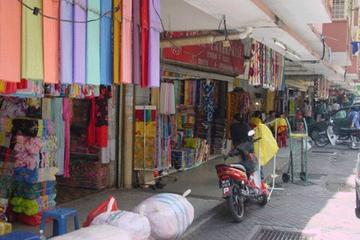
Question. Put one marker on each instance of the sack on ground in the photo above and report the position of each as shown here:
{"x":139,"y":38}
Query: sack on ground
{"x":137,"y":225}
{"x":169,"y":215}
{"x":106,"y":206}
{"x":96,"y":232}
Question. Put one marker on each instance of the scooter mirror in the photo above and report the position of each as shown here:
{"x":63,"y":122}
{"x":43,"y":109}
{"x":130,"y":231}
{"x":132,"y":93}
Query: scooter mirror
{"x":251,"y":133}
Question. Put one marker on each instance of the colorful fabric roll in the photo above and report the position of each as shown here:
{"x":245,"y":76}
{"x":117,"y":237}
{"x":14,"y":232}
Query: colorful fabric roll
{"x":66,"y":42}
{"x":117,"y":42}
{"x":10,"y":41}
{"x":144,"y":6}
{"x":126,"y":42}
{"x":32,"y":43}
{"x":79,"y":70}
{"x":93,"y":43}
{"x":136,"y":42}
{"x":51,"y":41}
{"x":154,"y":43}
{"x":106,"y":43}
{"x":34,"y":191}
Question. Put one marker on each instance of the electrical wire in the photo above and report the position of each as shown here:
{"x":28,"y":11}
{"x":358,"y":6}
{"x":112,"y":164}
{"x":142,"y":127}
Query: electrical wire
{"x":38,"y":11}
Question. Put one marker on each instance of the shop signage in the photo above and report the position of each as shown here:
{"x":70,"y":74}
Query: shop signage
{"x":212,"y":56}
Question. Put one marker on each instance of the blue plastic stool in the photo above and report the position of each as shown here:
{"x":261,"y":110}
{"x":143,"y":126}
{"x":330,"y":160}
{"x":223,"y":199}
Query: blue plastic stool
{"x":20,"y":236}
{"x":60,"y":216}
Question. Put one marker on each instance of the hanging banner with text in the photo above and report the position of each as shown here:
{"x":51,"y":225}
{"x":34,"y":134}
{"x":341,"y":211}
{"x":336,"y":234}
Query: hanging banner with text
{"x":211,"y":56}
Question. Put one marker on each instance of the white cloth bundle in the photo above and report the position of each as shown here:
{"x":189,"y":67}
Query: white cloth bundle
{"x":169,"y":215}
{"x":137,"y":225}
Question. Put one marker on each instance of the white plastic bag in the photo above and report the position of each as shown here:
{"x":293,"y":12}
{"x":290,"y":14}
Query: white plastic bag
{"x":96,"y":232}
{"x":137,"y":225}
{"x":169,"y":215}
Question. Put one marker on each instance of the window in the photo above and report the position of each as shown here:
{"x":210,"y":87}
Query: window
{"x":338,"y":11}
{"x":340,"y":114}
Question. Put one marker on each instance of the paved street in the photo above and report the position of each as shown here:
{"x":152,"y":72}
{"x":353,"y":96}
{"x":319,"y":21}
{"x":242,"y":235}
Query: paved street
{"x":325,"y":207}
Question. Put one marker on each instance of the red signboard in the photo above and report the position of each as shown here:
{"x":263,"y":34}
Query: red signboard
{"x":212,"y":56}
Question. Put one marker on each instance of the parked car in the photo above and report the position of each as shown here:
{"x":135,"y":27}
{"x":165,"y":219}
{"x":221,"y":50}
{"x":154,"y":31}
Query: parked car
{"x":357,"y":188}
{"x":339,"y":117}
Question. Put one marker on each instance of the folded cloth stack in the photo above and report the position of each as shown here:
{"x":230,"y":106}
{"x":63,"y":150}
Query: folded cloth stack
{"x":91,"y":175}
{"x":5,"y":132}
{"x":32,"y":207}
{"x":34,"y":191}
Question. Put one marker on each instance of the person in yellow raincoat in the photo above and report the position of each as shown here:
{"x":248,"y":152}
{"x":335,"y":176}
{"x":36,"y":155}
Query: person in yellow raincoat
{"x":265,"y":148}
{"x":282,"y":128}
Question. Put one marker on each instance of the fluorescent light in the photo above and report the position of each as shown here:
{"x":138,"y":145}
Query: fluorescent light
{"x":280,"y":44}
{"x":293,"y":54}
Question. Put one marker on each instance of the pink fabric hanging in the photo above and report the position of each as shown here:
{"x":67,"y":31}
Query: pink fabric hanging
{"x":67,"y":115}
{"x":126,"y":42}
{"x":10,"y":40}
{"x":154,"y":43}
{"x":136,"y":43}
{"x":144,"y":8}
{"x":51,"y":41}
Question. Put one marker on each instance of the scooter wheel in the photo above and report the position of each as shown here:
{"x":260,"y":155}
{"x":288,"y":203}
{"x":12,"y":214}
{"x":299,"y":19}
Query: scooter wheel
{"x":286,"y":177}
{"x":263,"y":199}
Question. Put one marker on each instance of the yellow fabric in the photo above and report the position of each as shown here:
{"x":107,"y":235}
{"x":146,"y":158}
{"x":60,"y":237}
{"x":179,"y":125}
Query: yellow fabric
{"x":279,"y":122}
{"x":265,"y":148}
{"x":117,"y":41}
{"x":155,"y":97}
{"x":298,"y":135}
{"x":2,"y":86}
{"x":255,"y":121}
{"x":270,"y":99}
{"x":32,"y":63}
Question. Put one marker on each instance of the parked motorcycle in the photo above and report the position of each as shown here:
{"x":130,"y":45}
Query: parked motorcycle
{"x":338,"y":136}
{"x":237,"y":185}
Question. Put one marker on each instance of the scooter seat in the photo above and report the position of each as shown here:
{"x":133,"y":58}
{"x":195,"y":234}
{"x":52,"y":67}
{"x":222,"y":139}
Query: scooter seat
{"x":238,"y":166}
{"x":350,"y":130}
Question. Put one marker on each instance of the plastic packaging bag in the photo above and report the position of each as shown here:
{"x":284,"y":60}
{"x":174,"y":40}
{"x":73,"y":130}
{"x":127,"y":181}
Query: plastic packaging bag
{"x":169,"y":215}
{"x":109,"y":205}
{"x":96,"y":232}
{"x":137,"y":225}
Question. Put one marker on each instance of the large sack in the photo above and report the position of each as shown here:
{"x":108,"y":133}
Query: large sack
{"x":96,"y":232}
{"x":169,"y":215}
{"x":137,"y":225}
{"x":106,"y":206}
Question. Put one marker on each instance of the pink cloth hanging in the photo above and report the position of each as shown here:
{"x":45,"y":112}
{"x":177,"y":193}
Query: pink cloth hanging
{"x":51,"y":41}
{"x":144,"y":19}
{"x":154,"y":44}
{"x":10,"y":40}
{"x":67,"y":115}
{"x":126,"y":42}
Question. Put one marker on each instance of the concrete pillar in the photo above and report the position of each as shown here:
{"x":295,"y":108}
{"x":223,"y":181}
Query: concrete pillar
{"x":128,"y":134}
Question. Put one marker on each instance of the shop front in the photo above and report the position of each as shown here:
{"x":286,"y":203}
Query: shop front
{"x":61,"y":98}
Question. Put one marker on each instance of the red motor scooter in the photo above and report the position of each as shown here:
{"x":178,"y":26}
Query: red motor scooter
{"x":237,"y":185}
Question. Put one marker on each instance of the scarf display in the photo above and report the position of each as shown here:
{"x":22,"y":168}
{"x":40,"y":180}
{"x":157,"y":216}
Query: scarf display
{"x":238,"y":102}
{"x":266,"y":67}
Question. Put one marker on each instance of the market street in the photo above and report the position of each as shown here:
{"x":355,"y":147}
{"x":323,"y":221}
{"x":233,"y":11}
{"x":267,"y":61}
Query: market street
{"x":325,"y":207}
